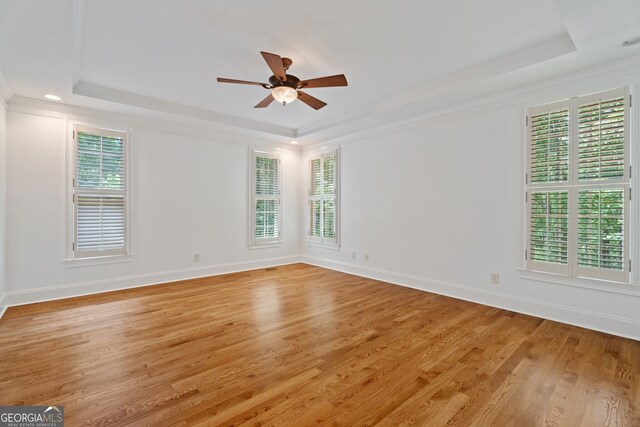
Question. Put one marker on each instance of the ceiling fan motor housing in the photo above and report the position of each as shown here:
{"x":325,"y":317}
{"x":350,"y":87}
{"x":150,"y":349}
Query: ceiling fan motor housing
{"x":292,"y":81}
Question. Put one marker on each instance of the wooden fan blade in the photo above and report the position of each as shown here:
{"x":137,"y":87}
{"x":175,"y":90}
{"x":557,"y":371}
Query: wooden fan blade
{"x":242,"y":82}
{"x":275,"y":63}
{"x":265,"y":102}
{"x":329,"y":81}
{"x":312,"y":102}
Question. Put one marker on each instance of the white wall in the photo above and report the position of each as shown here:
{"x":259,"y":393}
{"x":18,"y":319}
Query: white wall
{"x":437,"y":203}
{"x":189,"y":195}
{"x":439,"y":207}
{"x":3,"y":212}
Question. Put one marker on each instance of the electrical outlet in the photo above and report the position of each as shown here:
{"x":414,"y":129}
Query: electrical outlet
{"x":196,"y":257}
{"x":495,"y":278}
{"x":366,"y":257}
{"x":353,"y":255}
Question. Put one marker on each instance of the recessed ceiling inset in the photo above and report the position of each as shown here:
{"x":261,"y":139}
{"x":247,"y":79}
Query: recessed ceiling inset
{"x":285,"y":88}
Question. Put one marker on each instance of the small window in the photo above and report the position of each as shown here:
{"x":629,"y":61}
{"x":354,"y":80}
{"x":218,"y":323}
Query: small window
{"x":99,"y":192}
{"x":578,"y":187}
{"x":265,"y":199}
{"x":323,"y":201}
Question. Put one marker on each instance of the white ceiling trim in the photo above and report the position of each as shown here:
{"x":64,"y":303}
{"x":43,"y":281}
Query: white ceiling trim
{"x":179,"y":126}
{"x":128,"y":98}
{"x":548,"y":49}
{"x":608,"y":76}
{"x":601,"y":77}
{"x":123,"y":97}
{"x":6,"y":93}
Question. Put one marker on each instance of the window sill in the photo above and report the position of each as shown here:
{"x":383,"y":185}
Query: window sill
{"x":88,"y":262}
{"x":265,"y":245}
{"x":333,"y":247}
{"x":593,"y":284}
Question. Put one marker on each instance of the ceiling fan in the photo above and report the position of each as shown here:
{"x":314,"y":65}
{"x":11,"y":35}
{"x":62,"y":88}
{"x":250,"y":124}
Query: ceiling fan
{"x":285,"y":88}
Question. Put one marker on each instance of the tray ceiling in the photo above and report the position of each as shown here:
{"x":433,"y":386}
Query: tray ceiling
{"x":165,"y":55}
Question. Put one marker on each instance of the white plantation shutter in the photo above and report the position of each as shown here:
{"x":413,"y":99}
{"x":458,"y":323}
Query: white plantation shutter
{"x":548,"y":192}
{"x":549,"y":231}
{"x":100,"y":223}
{"x":315,"y":220}
{"x":328,"y":219}
{"x":315,"y":181}
{"x":323,"y":172}
{"x":99,"y":192}
{"x":601,"y":136}
{"x":603,"y":182}
{"x":549,"y":148}
{"x":315,"y":199}
{"x":265,"y":191}
{"x":578,"y":187}
{"x":601,"y":233}
{"x":329,"y":197}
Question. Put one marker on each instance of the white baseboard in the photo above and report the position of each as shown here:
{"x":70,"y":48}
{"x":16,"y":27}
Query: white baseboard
{"x":3,"y":304}
{"x":51,"y":293}
{"x":615,"y":325}
{"x":607,"y":323}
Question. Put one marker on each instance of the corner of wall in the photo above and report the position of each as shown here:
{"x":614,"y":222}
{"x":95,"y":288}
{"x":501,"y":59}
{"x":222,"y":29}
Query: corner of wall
{"x":602,"y":322}
{"x":3,"y":210}
{"x":3,"y":304}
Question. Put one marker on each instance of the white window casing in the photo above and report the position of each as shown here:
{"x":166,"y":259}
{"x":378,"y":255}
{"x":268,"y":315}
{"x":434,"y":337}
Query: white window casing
{"x":578,"y":187}
{"x":266,"y":208}
{"x":323,"y":204}
{"x":100,"y":192}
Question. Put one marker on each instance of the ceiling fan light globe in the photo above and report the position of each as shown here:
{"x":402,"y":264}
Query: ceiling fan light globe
{"x":284,"y":94}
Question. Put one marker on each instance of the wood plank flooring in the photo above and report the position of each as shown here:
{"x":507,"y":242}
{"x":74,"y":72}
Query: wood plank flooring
{"x":300,"y":345}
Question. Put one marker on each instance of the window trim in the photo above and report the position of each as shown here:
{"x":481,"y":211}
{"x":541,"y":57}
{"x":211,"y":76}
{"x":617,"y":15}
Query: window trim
{"x":321,"y":241}
{"x":572,"y":273}
{"x":268,"y":242}
{"x":72,"y":257}
{"x":580,"y":282}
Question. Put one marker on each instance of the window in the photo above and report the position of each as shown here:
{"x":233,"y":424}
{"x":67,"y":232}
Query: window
{"x":265,"y":199}
{"x":322,"y":213}
{"x":578,"y":187}
{"x":99,"y":192}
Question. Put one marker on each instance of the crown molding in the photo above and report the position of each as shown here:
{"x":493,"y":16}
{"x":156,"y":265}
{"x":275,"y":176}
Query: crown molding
{"x":175,"y":125}
{"x":601,"y":77}
{"x":83,"y":88}
{"x":91,"y":90}
{"x":530,"y":55}
{"x":547,"y":49}
{"x":6,"y":93}
{"x":351,"y":125}
{"x":114,"y":95}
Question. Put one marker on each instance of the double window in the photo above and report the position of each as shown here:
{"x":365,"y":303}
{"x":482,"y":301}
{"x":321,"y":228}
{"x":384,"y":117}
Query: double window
{"x":99,"y":192}
{"x":266,"y":211}
{"x":323,"y":209}
{"x":578,"y":187}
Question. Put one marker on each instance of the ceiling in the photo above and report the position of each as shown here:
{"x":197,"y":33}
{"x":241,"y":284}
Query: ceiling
{"x":163,"y":56}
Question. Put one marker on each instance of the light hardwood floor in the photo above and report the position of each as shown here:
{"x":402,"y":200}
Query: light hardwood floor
{"x":301,"y":345}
